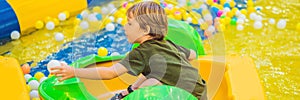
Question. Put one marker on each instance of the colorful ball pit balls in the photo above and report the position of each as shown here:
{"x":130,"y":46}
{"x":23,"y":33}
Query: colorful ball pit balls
{"x":257,"y":25}
{"x":272,"y":21}
{"x":115,"y":54}
{"x":53,"y":63}
{"x":240,"y":27}
{"x":34,"y":94}
{"x":50,"y":25}
{"x":59,"y":36}
{"x":56,"y":21}
{"x":15,"y":35}
{"x":25,"y":68}
{"x":62,"y":16}
{"x":27,"y":77}
{"x":110,"y":27}
{"x":42,"y":79}
{"x":39,"y":24}
{"x":96,"y":9}
{"x":34,"y":84}
{"x":281,"y":24}
{"x":39,"y":75}
{"x":92,"y":17}
{"x":298,"y":27}
{"x":84,"y":24}
{"x":31,"y":79}
{"x":79,"y":16}
{"x":102,"y":51}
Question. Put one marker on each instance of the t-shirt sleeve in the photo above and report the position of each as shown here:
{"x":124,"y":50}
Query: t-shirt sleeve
{"x":133,"y":62}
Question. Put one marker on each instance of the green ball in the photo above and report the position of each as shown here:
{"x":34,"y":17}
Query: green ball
{"x":223,"y":16}
{"x":188,"y":3}
{"x":233,"y":22}
{"x":32,"y":78}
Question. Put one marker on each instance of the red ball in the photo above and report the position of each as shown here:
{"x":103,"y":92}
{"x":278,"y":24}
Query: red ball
{"x":26,"y":69}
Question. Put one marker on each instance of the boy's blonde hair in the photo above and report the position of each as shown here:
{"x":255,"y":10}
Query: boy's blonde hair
{"x":150,"y":14}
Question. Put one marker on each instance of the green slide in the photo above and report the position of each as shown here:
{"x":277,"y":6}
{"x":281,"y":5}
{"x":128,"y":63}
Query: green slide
{"x":179,"y":32}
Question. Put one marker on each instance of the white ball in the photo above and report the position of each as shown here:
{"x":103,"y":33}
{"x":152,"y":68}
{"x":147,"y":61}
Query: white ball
{"x":208,"y":17}
{"x":272,"y":21}
{"x":240,"y":27}
{"x":84,"y":24}
{"x":281,"y":24}
{"x":211,"y":29}
{"x":189,"y":20}
{"x":119,"y":20}
{"x":42,"y":79}
{"x":104,"y":10}
{"x":170,"y":6}
{"x":253,"y":16}
{"x":53,"y":63}
{"x":240,"y":21}
{"x":92,"y":17}
{"x":111,"y":18}
{"x":203,"y":6}
{"x":15,"y":35}
{"x":226,"y":9}
{"x":62,"y":16}
{"x":34,"y":94}
{"x":257,"y":25}
{"x":34,"y":84}
{"x":59,"y":36}
{"x":238,"y":13}
{"x":110,"y":27}
{"x":258,"y":18}
{"x":242,"y":16}
{"x":27,"y":77}
{"x":111,"y":7}
{"x":115,"y":54}
{"x":84,"y":13}
{"x":50,"y":25}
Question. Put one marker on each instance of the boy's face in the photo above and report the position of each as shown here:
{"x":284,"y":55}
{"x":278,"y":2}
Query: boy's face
{"x":133,"y":31}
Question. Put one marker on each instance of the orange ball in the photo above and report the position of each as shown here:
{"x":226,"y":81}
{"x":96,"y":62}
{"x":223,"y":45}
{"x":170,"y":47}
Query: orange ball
{"x":26,"y":69}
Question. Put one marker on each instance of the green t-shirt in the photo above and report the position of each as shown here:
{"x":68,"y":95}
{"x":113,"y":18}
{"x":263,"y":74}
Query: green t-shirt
{"x":166,"y":62}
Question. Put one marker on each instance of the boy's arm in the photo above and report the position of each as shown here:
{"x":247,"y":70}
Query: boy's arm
{"x":138,"y":82}
{"x":192,"y":55}
{"x":102,"y":73}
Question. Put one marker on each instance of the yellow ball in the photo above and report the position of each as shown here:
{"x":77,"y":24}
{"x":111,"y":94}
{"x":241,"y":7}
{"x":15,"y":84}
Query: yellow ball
{"x":39,"y":24}
{"x":185,"y":16}
{"x":47,"y":19}
{"x":56,"y":21}
{"x":67,"y":14}
{"x":39,"y":75}
{"x":232,"y":3}
{"x":35,"y":99}
{"x":223,"y":1}
{"x":194,"y":21}
{"x":234,"y":10}
{"x":244,"y":11}
{"x":97,"y":9}
{"x":250,"y":3}
{"x":203,"y":26}
{"x":50,"y":75}
{"x":298,"y":27}
{"x":102,"y":51}
{"x":222,"y":27}
{"x":76,"y":21}
{"x":210,"y":2}
{"x":227,"y":20}
{"x":250,"y":9}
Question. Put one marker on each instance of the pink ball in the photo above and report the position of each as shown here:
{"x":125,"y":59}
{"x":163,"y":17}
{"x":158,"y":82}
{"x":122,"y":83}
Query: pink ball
{"x":220,"y":12}
{"x":125,"y":4}
{"x":215,"y":1}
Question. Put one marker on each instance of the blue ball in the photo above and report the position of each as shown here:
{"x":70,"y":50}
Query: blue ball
{"x":99,"y":16}
{"x":227,"y":5}
{"x":79,"y":17}
{"x":215,"y":9}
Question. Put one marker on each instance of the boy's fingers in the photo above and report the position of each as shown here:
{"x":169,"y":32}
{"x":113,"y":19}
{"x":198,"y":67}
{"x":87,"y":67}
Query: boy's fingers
{"x":63,"y":78}
{"x":56,"y":68}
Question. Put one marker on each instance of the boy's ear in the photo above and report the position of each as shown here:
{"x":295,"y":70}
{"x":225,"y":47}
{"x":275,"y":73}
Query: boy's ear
{"x":147,"y":31}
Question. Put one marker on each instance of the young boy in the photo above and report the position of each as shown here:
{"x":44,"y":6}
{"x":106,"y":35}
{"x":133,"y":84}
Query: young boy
{"x":157,"y":60}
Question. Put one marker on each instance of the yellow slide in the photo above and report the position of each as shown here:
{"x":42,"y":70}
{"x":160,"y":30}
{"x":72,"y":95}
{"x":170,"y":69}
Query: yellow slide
{"x":13,"y":84}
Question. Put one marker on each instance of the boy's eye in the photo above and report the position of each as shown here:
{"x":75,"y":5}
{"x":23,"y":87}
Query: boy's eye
{"x":129,"y":23}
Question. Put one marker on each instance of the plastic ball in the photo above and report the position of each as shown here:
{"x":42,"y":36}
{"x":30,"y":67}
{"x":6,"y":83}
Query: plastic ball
{"x":281,"y":24}
{"x":257,"y":25}
{"x":104,"y":10}
{"x":35,"y":99}
{"x":229,"y":14}
{"x":47,"y":19}
{"x":28,"y":88}
{"x":272,"y":21}
{"x":124,"y":4}
{"x":110,"y":27}
{"x":189,"y":19}
{"x":208,"y":17}
{"x":67,"y":14}
{"x":226,"y":9}
{"x":62,"y":16}
{"x":15,"y":35}
{"x":240,"y":27}
{"x":97,"y":9}
{"x":98,"y":16}
{"x":252,"y":16}
{"x":56,"y":21}
{"x":53,"y":63}
{"x":26,"y":69}
{"x":92,"y":17}
{"x":59,"y":36}
{"x":31,"y":79}
{"x":39,"y":24}
{"x":232,"y":3}
{"x":111,"y":18}
{"x":85,"y":13}
{"x":238,"y":13}
{"x":119,"y":20}
{"x":111,"y":7}
{"x":203,"y":7}
{"x":209,"y":2}
{"x":102,"y":51}
{"x":39,"y":75}
{"x":298,"y":27}
{"x":79,"y":16}
{"x":84,"y":25}
{"x":34,"y":84}
{"x":27,"y":77}
{"x":233,"y":21}
{"x":42,"y":79}
{"x":227,"y":5}
{"x":250,"y":9}
{"x":34,"y":94}
{"x":258,"y":18}
{"x":220,"y":12}
{"x":242,"y":16}
{"x":240,"y":21}
{"x":115,"y":54}
{"x":50,"y":25}
{"x":244,"y":11}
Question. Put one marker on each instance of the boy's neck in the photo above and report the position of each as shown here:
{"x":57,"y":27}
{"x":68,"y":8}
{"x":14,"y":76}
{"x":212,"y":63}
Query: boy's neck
{"x":145,"y":38}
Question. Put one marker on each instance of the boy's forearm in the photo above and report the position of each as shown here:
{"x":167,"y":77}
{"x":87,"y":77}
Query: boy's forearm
{"x":138,"y":82}
{"x":99,"y":73}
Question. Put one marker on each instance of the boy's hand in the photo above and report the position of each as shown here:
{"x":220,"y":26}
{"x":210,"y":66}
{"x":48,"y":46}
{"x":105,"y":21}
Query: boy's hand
{"x":64,"y":71}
